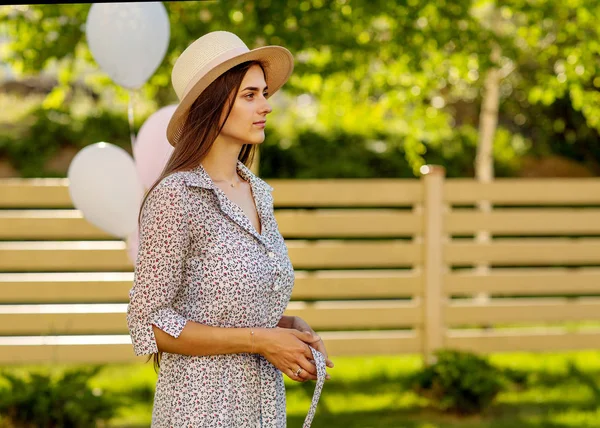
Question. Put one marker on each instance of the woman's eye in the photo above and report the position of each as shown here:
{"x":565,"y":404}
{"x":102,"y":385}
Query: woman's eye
{"x":251,"y":95}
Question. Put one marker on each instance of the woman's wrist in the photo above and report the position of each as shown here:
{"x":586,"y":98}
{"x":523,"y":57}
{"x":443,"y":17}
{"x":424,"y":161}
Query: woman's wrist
{"x":260,"y":340}
{"x":252,"y":340}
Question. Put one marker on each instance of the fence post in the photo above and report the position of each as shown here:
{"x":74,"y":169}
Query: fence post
{"x":433,"y":329}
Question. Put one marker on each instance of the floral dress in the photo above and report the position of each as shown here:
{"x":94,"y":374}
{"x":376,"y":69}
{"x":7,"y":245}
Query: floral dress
{"x":200,"y":259}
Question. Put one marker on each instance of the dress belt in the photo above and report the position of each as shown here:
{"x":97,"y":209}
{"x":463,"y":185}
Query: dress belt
{"x":321,"y":373}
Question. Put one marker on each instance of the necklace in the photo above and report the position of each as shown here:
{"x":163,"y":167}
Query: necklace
{"x":226,"y":181}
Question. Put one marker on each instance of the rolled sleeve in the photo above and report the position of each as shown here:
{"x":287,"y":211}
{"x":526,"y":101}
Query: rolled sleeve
{"x":163,"y":247}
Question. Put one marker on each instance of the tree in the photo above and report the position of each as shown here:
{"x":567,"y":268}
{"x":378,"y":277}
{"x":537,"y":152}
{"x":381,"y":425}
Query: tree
{"x":405,"y":75}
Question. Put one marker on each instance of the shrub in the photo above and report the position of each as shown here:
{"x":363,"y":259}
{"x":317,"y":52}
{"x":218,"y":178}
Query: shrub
{"x":459,"y":382}
{"x":35,"y":141}
{"x":42,"y":402}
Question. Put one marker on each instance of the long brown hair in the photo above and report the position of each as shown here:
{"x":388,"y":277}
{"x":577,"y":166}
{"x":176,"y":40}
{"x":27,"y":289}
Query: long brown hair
{"x":200,"y":130}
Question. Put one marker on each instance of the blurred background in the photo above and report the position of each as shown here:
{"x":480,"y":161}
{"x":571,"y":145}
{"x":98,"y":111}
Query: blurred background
{"x":379,"y":89}
{"x":461,"y":296}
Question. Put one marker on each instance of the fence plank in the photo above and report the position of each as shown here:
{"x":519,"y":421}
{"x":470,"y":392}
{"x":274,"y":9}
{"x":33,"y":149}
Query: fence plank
{"x":353,"y":254}
{"x":524,"y":252}
{"x":44,"y":324}
{"x":533,"y":310}
{"x":113,"y":287}
{"x":67,"y":349}
{"x":346,"y":192}
{"x":355,"y":315}
{"x":111,"y":255}
{"x":64,"y":256}
{"x":110,"y":318}
{"x":118,"y":349}
{"x":525,"y":221}
{"x":433,"y":329}
{"x":542,"y":281}
{"x":80,"y":287}
{"x":520,"y":191}
{"x":70,"y":224}
{"x":356,"y":284}
{"x":347,"y":223}
{"x":371,"y":342}
{"x":54,"y":193}
{"x":47,"y":225}
{"x":527,"y":340}
{"x":35,"y":193}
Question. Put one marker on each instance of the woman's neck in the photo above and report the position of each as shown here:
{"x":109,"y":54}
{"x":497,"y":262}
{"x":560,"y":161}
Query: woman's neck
{"x":221,"y":161}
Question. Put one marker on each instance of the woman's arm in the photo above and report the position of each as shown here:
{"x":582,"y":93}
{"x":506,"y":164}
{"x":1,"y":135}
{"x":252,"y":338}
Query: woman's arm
{"x":164,"y":244}
{"x":285,"y":348}
{"x":200,"y":339}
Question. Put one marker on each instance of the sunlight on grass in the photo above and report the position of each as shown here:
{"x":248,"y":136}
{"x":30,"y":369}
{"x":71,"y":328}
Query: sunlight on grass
{"x":550,"y":362}
{"x":575,"y":418}
{"x":368,"y":392}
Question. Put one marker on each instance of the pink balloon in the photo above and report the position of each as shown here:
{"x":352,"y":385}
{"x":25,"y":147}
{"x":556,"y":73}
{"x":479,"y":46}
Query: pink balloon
{"x":133,"y":242}
{"x":151,"y":150}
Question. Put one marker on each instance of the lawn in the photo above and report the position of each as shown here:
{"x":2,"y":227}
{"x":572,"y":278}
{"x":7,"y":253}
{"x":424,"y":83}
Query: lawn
{"x":563,"y":390}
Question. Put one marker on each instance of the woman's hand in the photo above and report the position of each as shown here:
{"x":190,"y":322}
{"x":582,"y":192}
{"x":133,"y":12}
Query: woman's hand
{"x":287,"y":349}
{"x":301,"y":325}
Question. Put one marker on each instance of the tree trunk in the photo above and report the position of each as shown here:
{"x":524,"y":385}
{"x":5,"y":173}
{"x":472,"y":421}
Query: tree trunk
{"x":484,"y":162}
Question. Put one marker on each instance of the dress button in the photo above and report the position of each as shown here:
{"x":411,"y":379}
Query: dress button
{"x":271,"y":254}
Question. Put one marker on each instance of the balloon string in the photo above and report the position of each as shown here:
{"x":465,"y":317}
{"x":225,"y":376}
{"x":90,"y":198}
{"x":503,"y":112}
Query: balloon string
{"x":130,"y":115}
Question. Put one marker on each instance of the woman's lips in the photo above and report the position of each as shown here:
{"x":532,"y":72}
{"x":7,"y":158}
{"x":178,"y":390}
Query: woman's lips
{"x":260,"y":124}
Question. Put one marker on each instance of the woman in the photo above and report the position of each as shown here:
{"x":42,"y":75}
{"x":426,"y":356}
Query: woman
{"x":213,"y":277}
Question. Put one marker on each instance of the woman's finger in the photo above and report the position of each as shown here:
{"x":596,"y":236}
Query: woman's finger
{"x":308,"y":367}
{"x":305,"y":375}
{"x":307,"y":352}
{"x":305,"y":336}
{"x":301,"y":375}
{"x":292,"y":375}
{"x":320,"y":346}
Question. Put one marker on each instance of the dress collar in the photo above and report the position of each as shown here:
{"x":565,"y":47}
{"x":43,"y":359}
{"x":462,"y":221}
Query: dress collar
{"x":199,"y":177}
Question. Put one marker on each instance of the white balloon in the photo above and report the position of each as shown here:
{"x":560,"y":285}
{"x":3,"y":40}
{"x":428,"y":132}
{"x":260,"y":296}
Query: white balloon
{"x":128,"y":40}
{"x":104,"y":185}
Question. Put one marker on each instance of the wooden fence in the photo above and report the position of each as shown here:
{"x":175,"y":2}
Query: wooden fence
{"x":384,"y":266}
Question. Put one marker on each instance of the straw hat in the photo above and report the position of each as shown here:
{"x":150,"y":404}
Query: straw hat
{"x":202,"y":62}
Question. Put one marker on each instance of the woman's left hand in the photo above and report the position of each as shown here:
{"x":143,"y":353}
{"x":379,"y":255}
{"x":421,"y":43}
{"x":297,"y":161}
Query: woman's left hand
{"x":301,"y":325}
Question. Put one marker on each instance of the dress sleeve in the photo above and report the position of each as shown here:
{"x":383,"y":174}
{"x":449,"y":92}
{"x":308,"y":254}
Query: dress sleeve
{"x":163,"y":246}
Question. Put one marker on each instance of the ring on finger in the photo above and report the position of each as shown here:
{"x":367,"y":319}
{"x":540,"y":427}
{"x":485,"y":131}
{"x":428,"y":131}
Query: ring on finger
{"x":298,"y":371}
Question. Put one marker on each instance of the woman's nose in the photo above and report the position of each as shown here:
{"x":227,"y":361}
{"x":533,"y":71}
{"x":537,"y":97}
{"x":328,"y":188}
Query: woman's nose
{"x":266,"y":107}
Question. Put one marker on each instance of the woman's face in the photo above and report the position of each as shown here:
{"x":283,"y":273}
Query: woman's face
{"x":247,"y":120}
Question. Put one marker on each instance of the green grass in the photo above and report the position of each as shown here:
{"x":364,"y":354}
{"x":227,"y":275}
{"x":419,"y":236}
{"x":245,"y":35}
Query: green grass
{"x":366,"y":392}
{"x":563,"y":390}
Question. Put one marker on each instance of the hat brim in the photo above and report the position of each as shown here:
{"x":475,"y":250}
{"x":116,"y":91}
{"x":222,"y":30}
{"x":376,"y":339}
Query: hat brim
{"x":278,"y":63}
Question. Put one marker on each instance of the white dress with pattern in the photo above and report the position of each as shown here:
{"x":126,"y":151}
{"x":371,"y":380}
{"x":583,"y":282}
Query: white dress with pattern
{"x":200,"y":259}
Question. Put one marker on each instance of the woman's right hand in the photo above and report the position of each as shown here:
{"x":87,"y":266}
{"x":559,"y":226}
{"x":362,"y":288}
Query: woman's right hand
{"x":287,"y":349}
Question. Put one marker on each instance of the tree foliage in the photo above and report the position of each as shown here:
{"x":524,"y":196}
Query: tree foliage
{"x":400,"y":78}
